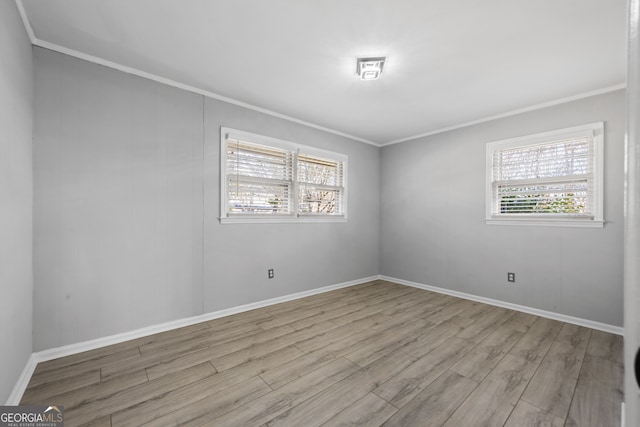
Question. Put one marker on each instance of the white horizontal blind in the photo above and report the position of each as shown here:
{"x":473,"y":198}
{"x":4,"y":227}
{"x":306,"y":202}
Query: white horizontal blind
{"x":259,"y":179}
{"x":320,"y":185}
{"x":270,"y":180}
{"x":548,"y":179}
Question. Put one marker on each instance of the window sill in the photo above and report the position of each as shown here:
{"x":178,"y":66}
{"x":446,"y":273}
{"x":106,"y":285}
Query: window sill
{"x":280,"y":220}
{"x":547,"y":222}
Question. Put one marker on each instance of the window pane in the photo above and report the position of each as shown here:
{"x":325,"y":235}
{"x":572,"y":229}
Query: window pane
{"x":319,"y":183}
{"x":319,"y":171}
{"x":319,"y":201}
{"x":257,"y":197}
{"x":559,"y":159}
{"x":258,"y":161}
{"x":563,"y":199}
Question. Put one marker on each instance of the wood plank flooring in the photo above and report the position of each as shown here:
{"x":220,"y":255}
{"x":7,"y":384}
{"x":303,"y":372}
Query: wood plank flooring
{"x":368,"y":355}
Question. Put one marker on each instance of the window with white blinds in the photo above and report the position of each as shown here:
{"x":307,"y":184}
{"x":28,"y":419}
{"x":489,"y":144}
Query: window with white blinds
{"x":269,"y":180}
{"x":554,"y":178}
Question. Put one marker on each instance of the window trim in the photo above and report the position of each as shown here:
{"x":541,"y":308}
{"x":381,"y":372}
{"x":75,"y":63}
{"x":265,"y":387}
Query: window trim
{"x":224,"y":218}
{"x":596,"y":131}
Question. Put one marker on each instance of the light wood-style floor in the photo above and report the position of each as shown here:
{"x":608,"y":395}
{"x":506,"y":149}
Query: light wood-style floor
{"x":372,"y":354}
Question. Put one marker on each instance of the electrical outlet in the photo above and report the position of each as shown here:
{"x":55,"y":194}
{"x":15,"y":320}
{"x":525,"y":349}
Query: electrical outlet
{"x":270,"y":273}
{"x":511,"y":277}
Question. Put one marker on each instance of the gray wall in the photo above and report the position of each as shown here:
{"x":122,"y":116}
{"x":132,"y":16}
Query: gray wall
{"x":433,"y":230}
{"x":304,"y":255}
{"x":16,"y":196}
{"x":126,"y":206}
{"x":118,"y":202}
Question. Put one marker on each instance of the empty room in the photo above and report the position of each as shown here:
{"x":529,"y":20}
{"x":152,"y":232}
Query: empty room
{"x":320,"y":213}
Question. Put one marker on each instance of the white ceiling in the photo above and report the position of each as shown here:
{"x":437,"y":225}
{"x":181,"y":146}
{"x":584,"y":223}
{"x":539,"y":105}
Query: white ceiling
{"x":449,"y":62}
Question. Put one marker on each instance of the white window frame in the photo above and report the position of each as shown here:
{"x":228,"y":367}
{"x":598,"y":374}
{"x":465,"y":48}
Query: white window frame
{"x":295,"y":216}
{"x":593,"y":130}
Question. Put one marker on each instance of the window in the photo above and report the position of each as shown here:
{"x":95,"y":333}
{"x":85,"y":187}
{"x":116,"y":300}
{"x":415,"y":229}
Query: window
{"x":264,"y":179}
{"x":552,"y":178}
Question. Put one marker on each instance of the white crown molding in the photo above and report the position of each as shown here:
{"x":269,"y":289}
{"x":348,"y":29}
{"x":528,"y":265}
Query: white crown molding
{"x":25,"y":21}
{"x":193,"y":89}
{"x":512,"y":113}
{"x":617,"y":330}
{"x":134,"y":71}
{"x":129,"y":70}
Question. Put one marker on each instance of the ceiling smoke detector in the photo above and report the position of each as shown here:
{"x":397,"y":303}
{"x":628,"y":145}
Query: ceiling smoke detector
{"x":370,"y":68}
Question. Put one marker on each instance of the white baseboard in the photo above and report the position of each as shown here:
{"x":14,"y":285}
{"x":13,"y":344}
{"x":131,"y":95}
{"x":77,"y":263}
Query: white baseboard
{"x":67,"y":350}
{"x":618,"y":330}
{"x":23,"y":381}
